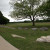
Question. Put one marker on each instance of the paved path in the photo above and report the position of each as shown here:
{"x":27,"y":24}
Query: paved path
{"x":4,"y":45}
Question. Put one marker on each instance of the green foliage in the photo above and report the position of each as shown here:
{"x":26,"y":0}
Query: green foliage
{"x":45,"y":8}
{"x":43,"y":20}
{"x":25,"y":8}
{"x":27,"y":21}
{"x":3,"y":20}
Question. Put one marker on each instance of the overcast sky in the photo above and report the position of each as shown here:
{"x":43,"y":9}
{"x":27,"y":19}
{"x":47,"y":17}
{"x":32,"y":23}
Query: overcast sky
{"x":5,"y":8}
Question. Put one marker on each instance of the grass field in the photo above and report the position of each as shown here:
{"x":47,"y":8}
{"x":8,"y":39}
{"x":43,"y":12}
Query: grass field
{"x":30,"y":42}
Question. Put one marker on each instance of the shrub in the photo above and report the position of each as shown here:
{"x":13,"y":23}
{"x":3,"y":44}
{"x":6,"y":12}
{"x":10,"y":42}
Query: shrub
{"x":27,"y":21}
{"x":42,"y":20}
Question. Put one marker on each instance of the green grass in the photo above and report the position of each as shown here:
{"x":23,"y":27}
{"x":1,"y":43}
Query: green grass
{"x":30,"y":42}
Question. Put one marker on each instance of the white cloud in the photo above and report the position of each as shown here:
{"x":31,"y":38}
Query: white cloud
{"x":5,"y":14}
{"x":4,"y":5}
{"x":5,"y":8}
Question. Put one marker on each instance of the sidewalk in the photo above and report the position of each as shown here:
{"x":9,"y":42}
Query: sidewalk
{"x":4,"y":45}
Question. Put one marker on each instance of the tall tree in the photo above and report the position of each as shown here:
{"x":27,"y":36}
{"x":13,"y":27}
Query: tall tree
{"x":25,"y":8}
{"x":44,"y":9}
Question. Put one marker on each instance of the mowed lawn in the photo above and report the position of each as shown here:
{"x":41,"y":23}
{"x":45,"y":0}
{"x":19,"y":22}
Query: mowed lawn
{"x":29,"y":43}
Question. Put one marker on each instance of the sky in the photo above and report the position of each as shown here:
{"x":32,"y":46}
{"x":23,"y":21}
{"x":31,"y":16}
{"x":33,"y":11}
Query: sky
{"x":5,"y":8}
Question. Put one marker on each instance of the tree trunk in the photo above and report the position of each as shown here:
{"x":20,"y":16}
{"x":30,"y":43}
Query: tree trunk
{"x":33,"y":21}
{"x":30,"y":18}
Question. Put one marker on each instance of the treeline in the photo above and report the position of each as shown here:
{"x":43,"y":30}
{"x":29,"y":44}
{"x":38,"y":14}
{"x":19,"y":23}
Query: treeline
{"x":30,"y":21}
{"x":42,"y":21}
{"x":3,"y":20}
{"x":47,"y":20}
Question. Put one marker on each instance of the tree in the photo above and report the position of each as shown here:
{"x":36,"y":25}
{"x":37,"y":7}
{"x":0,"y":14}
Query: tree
{"x":3,"y":20}
{"x":44,"y":9}
{"x":25,"y":8}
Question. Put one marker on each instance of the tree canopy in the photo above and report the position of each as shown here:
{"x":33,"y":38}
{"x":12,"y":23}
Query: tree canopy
{"x":3,"y":20}
{"x":45,"y":8}
{"x":25,"y":8}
